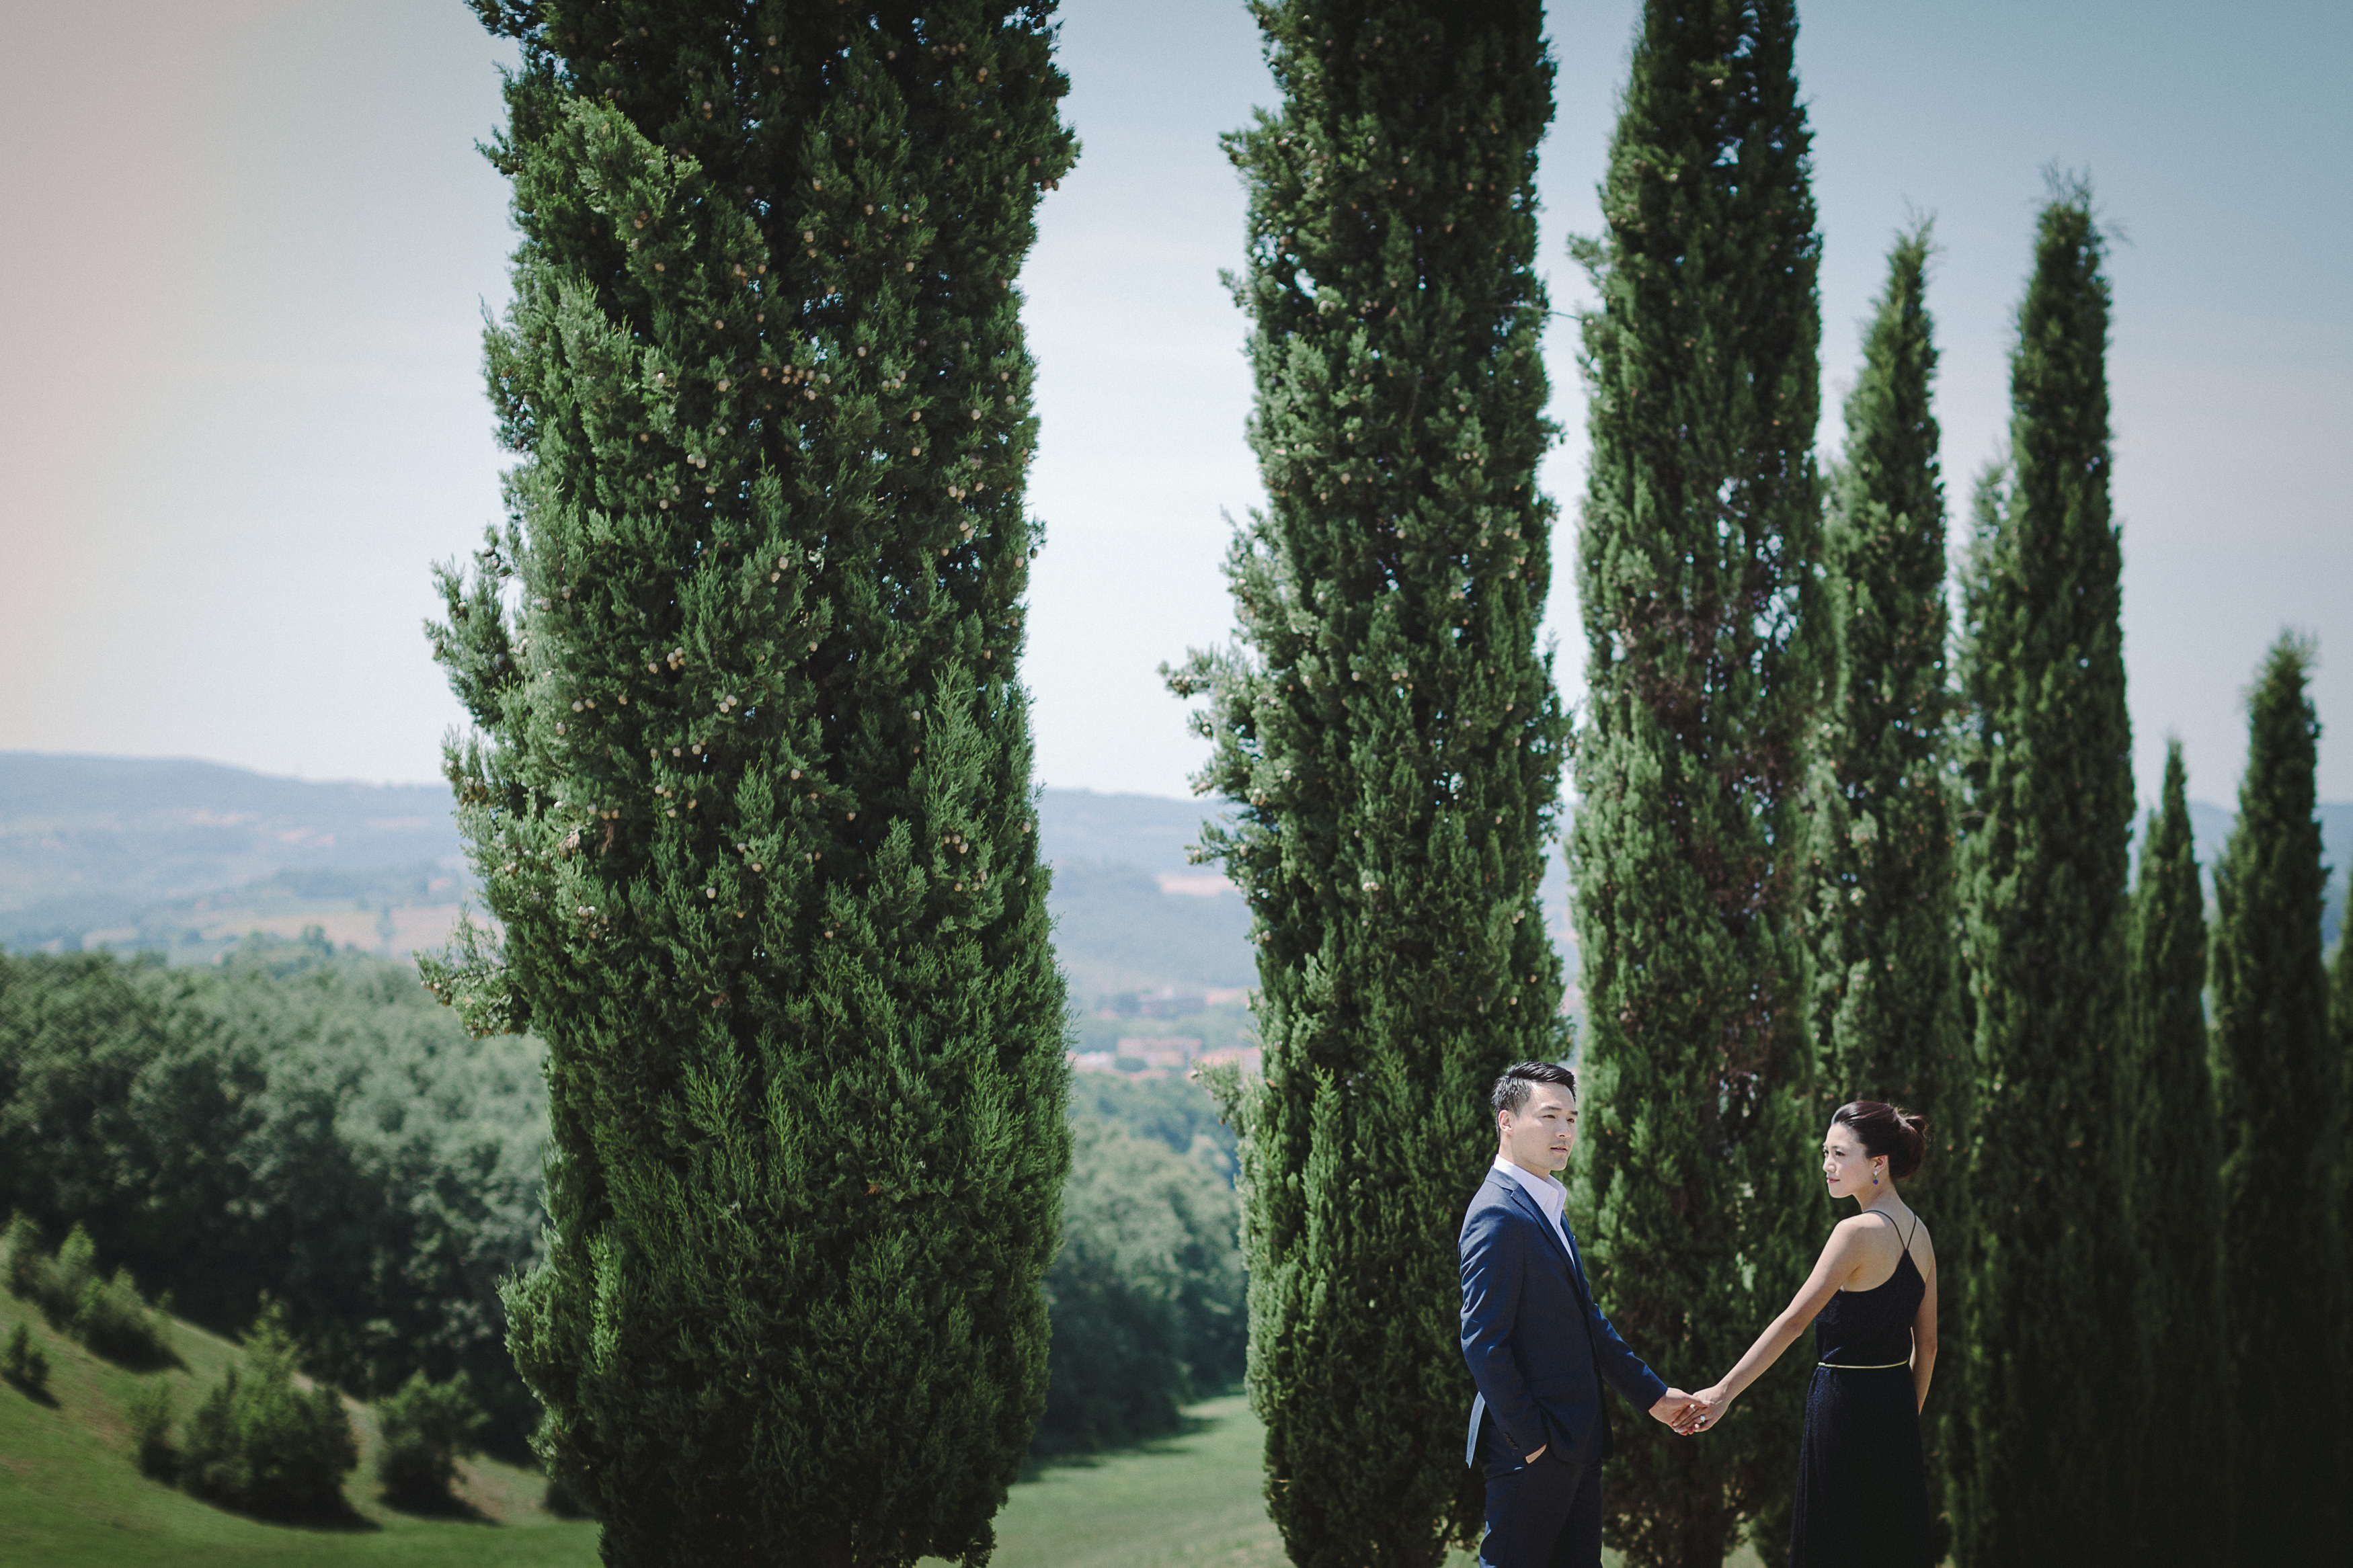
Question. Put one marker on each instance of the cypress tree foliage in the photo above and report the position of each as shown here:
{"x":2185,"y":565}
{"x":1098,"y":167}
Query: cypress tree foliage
{"x":2177,"y":1203}
{"x":1879,"y":829}
{"x":1388,"y":732}
{"x":2047,"y":1336}
{"x":1701,"y":530}
{"x":2340,"y":1017}
{"x":2340,"y":1140}
{"x":2275,"y":1083}
{"x":751,"y":796}
{"x":1882,"y":1010}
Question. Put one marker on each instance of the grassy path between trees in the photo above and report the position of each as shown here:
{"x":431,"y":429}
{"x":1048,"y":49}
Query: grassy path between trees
{"x":69,"y":1494}
{"x":1186,"y":1501}
{"x":1190,"y":1500}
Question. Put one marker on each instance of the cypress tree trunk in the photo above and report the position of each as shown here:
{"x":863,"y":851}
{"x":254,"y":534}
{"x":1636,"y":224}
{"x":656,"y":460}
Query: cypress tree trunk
{"x":2175,"y":1200}
{"x":2048,"y":1276}
{"x":1390,"y":735}
{"x":1700,"y":532}
{"x":752,"y":800}
{"x":1878,"y":824}
{"x":2277,"y":1083}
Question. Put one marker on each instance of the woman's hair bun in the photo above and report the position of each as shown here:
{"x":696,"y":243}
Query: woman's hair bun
{"x":1901,"y":1135}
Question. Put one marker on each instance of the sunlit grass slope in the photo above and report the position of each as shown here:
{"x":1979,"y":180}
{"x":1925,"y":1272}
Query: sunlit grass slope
{"x":70,"y":1494}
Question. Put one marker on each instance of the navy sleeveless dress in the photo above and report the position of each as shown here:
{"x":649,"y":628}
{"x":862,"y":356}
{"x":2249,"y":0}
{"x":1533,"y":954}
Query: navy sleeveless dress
{"x":1862,"y":1487}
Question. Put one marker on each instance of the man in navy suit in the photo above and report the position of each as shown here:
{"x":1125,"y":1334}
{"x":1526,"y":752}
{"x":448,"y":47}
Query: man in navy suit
{"x":1538,"y":1347}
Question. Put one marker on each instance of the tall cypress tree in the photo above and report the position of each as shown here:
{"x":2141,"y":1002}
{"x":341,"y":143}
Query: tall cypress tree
{"x":2177,"y":1204}
{"x":1700,"y":534}
{"x":1881,"y":1011}
{"x":2276,"y":1085}
{"x":1878,"y":829}
{"x":751,"y":796}
{"x":1388,"y":732}
{"x":2049,"y":1266}
{"x":2340,"y":1018}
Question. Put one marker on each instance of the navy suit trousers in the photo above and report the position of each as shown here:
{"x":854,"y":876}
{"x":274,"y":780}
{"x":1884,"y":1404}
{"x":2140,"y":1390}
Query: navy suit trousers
{"x":1542,"y":1515}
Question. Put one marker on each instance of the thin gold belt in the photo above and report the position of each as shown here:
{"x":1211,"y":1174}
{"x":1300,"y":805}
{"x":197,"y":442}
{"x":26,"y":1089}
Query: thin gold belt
{"x":1843,"y":1366}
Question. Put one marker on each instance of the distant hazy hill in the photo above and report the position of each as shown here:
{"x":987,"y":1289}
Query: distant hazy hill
{"x":1116,"y":929}
{"x":1131,"y":912}
{"x":185,"y":856}
{"x":1149,"y":832}
{"x":91,"y":842}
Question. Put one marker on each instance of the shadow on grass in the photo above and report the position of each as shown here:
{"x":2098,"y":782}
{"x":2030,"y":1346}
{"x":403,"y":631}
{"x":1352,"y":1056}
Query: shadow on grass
{"x":344,"y":1520}
{"x":40,"y":1396}
{"x":335,"y":1517}
{"x":447,"y":1506}
{"x":1035,"y":1465}
{"x":134,"y":1354}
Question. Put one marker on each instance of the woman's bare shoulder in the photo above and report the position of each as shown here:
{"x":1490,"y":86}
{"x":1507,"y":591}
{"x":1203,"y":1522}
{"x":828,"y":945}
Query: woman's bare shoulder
{"x":1866,"y":1231}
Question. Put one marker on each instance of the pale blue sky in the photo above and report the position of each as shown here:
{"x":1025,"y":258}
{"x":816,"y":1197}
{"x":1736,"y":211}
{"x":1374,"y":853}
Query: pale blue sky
{"x":252,"y":243}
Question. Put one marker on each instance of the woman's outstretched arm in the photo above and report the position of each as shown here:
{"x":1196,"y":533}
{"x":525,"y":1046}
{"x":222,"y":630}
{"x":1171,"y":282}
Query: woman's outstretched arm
{"x":1836,"y":1266}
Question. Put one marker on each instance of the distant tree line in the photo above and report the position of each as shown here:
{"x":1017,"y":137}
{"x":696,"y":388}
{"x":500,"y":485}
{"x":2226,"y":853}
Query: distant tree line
{"x":293,"y":1125}
{"x":1145,"y":1296}
{"x":307,"y":1129}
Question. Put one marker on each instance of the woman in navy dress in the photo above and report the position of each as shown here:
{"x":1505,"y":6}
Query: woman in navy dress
{"x":1862,"y":1487}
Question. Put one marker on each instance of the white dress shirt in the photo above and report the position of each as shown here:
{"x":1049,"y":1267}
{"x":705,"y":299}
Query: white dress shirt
{"x":1549,"y":1195}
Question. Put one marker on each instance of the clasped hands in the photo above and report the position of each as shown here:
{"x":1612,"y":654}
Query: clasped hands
{"x":1698,"y":1413}
{"x":1686,"y":1413}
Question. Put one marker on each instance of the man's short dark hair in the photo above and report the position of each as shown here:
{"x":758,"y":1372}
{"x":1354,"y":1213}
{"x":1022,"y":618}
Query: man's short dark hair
{"x":1512,"y":1090}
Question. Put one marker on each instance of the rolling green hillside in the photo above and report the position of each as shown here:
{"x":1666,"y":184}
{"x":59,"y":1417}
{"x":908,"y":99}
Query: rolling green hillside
{"x":70,"y":1494}
{"x":71,"y":1497}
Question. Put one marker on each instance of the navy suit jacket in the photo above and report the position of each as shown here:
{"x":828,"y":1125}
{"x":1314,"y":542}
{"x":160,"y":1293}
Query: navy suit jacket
{"x":1538,"y":1347}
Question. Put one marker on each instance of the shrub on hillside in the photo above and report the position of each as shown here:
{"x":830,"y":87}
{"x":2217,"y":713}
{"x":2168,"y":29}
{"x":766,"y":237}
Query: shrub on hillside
{"x":115,"y":1321}
{"x":262,"y":1445}
{"x":24,"y":1261}
{"x":425,"y":1426}
{"x":23,"y":1364}
{"x":106,"y":1314}
{"x":150,"y":1410}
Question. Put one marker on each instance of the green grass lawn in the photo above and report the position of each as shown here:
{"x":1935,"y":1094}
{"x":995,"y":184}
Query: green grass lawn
{"x":1188,"y":1501}
{"x":69,"y":1494}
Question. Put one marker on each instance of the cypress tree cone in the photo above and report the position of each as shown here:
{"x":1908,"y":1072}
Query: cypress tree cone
{"x":1878,"y":819}
{"x":2177,"y":1201}
{"x":2046,"y":1267}
{"x":2278,"y":1090}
